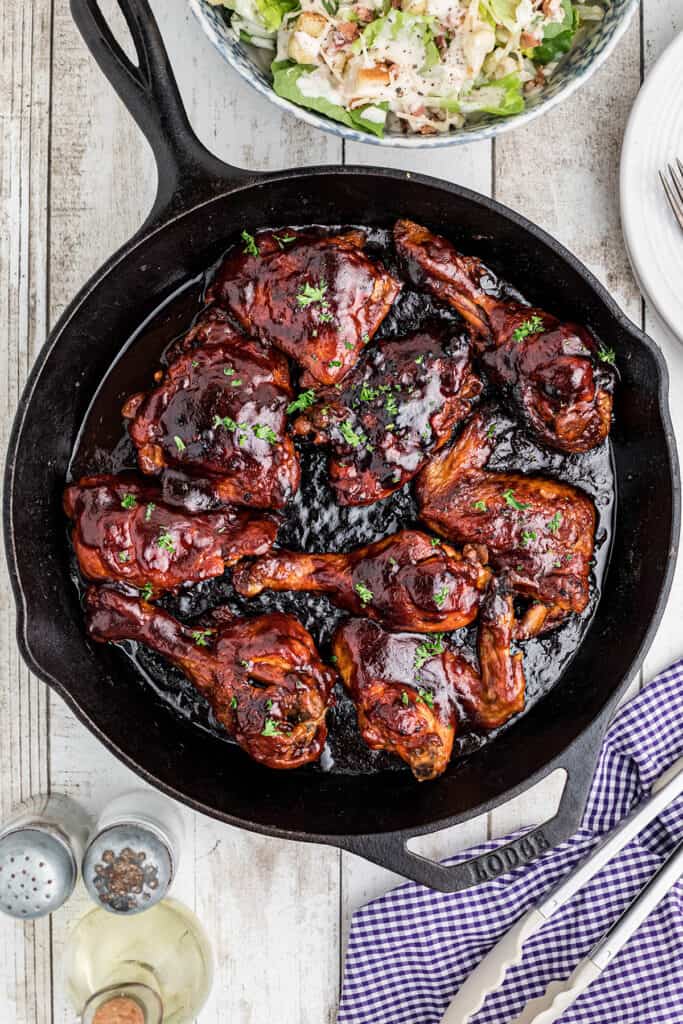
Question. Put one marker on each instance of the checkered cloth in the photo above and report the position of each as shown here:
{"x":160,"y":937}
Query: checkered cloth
{"x":410,"y":950}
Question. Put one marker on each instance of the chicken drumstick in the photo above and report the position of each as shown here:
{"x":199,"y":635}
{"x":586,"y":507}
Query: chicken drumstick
{"x":407,"y":581}
{"x":263,"y":677}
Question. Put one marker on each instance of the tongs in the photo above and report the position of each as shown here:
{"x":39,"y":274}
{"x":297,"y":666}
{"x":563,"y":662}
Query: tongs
{"x":490,"y":973}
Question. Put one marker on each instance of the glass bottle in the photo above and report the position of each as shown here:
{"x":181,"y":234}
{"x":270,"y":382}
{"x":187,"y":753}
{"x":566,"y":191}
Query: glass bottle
{"x":162,"y":955}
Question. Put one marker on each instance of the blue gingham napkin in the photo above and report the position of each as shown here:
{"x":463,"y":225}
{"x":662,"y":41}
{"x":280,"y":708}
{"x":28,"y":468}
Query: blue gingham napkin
{"x":410,"y":950}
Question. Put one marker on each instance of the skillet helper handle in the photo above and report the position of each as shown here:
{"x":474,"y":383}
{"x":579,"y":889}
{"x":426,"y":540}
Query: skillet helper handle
{"x":187,"y":171}
{"x":390,"y":850}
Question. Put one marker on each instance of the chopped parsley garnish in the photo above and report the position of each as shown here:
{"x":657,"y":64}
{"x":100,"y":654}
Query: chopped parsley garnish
{"x":179,"y":443}
{"x":435,"y":541}
{"x":283,"y":240}
{"x":480,"y":506}
{"x":229,"y":371}
{"x":364,"y":593}
{"x":195,"y":363}
{"x":123,"y":556}
{"x":528,"y":536}
{"x":393,"y":563}
{"x":146,"y":591}
{"x":405,"y":700}
{"x":365,"y":337}
{"x":325,"y":317}
{"x":201,"y":637}
{"x":349,"y":434}
{"x":512,"y":502}
{"x":607,"y":355}
{"x":225,"y":421}
{"x":390,"y":406}
{"x":233,"y":703}
{"x":334,"y":362}
{"x":368,"y":394}
{"x":264,"y":433}
{"x":148,"y":510}
{"x":165,"y":541}
{"x":428,"y":649}
{"x":250,"y":245}
{"x":129,"y":501}
{"x":531,"y":326}
{"x":309,"y":293}
{"x":440,"y":596}
{"x":348,"y":346}
{"x":420,"y":360}
{"x":301,"y":402}
{"x":554,"y":523}
{"x":427,"y":696}
{"x":236,"y":383}
{"x":491,"y":431}
{"x":270,"y":728}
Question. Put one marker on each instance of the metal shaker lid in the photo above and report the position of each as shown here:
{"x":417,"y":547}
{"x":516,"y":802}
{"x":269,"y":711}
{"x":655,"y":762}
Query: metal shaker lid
{"x":128,"y":867}
{"x":38,"y":872}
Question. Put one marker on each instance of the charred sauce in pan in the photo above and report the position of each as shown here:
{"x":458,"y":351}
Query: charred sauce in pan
{"x":313,"y":521}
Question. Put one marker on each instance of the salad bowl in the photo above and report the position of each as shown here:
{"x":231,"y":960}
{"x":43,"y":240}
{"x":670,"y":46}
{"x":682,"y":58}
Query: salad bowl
{"x":253,"y":63}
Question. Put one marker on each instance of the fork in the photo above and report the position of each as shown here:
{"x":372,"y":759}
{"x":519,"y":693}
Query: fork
{"x":673,"y":186}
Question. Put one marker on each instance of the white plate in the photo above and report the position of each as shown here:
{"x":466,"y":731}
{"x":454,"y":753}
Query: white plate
{"x":654,"y":137}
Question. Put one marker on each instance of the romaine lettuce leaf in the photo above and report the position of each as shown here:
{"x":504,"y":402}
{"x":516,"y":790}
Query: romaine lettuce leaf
{"x":500,"y":97}
{"x":501,"y":12}
{"x":420,"y":25}
{"x":557,"y":37}
{"x":272,"y":12}
{"x":286,"y":77}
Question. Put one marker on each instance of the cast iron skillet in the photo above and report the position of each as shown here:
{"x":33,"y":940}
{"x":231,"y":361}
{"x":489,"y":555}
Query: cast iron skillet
{"x":201,"y":203}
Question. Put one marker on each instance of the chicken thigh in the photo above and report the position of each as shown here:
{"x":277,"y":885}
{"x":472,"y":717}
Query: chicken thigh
{"x":406,"y":581}
{"x":123,"y":531}
{"x":539,"y":531}
{"x":405,"y":687}
{"x":263,"y":677}
{"x":400,"y":403}
{"x":552,"y":373}
{"x":216,"y":423}
{"x":317,"y":297}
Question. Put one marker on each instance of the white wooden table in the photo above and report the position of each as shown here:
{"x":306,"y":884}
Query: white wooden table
{"x":76,"y":179}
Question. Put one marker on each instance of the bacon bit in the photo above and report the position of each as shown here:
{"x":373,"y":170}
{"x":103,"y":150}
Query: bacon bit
{"x":427,"y":129}
{"x":553,"y":9}
{"x":365,"y":15}
{"x":529,"y":40}
{"x":345,"y":33}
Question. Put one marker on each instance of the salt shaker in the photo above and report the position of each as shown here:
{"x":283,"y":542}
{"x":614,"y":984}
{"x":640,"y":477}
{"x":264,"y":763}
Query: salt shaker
{"x":132,"y":859}
{"x":41,"y":846}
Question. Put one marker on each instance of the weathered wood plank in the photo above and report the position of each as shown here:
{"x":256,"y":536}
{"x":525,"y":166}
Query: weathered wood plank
{"x":25,"y":976}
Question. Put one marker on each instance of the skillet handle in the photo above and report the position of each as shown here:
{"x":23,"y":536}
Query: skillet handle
{"x":389,"y":850}
{"x":187,"y":171}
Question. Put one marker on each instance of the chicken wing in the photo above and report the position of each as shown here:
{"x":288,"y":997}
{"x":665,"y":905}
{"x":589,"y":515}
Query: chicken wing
{"x":553,"y":373}
{"x":263,"y":677}
{"x":216,"y":422}
{"x":405,"y":687}
{"x":540,"y":531}
{"x":317,"y":297}
{"x":400,"y":403}
{"x":406,"y":581}
{"x":123,"y":531}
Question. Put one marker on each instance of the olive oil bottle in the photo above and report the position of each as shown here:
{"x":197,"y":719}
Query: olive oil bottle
{"x":150,"y":968}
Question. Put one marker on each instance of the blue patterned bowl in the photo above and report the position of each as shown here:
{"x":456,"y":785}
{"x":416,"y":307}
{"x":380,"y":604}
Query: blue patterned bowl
{"x":253,"y":65}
